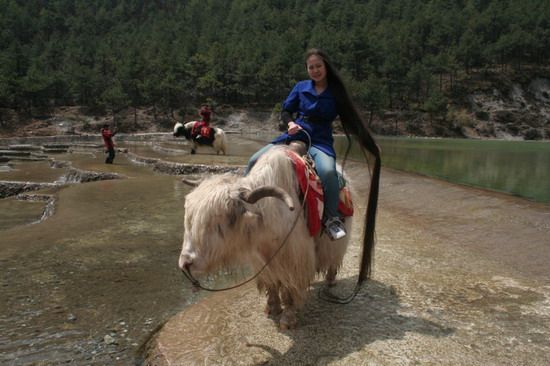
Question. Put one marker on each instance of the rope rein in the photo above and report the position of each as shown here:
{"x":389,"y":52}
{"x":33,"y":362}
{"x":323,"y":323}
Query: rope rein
{"x":323,"y":293}
{"x":187,"y":271}
{"x":196,"y":283}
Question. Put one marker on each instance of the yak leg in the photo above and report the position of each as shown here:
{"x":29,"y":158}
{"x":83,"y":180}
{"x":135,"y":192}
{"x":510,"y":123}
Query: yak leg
{"x":288,"y":318}
{"x":193,"y":147}
{"x":330,"y":277}
{"x":273,"y":307}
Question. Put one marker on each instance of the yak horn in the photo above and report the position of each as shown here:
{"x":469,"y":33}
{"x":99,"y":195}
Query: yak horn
{"x":267,"y":191}
{"x":191,"y":182}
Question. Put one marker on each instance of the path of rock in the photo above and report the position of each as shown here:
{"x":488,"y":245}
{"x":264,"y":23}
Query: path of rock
{"x":461,"y":278}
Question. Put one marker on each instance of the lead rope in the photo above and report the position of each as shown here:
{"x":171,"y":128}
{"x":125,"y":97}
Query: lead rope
{"x":323,"y":292}
{"x":196,"y":284}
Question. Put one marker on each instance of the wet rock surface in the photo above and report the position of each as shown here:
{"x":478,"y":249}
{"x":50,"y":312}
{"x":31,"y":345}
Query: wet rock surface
{"x":89,"y":285}
{"x":166,"y":167}
{"x":461,"y":278}
{"x":10,"y":188}
{"x":75,"y":175}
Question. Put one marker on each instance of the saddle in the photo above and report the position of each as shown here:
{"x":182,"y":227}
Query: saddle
{"x":202,"y":134}
{"x":312,"y":190}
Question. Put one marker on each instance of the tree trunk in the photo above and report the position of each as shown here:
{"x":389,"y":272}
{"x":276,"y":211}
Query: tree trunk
{"x":390,"y":94}
{"x":428,"y":86}
{"x":371,"y":116}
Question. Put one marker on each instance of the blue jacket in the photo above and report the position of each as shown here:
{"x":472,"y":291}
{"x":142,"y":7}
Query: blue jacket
{"x":315,"y":114}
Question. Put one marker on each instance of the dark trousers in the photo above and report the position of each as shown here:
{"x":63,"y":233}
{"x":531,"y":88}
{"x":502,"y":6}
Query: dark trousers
{"x":111,"y":156}
{"x":202,"y":140}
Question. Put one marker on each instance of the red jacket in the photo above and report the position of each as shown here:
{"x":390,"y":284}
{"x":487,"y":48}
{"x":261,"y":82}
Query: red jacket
{"x":107,"y":138}
{"x":202,"y":128}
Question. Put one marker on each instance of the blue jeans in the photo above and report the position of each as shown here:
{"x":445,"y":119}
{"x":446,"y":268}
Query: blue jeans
{"x":325,"y":165}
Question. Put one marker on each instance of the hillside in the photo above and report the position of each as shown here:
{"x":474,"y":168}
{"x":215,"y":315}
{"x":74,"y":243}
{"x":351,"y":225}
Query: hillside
{"x":491,"y":106}
{"x":488,"y":107}
{"x":421,"y":67}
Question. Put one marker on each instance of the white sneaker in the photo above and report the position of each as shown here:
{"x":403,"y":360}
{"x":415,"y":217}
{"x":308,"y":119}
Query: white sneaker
{"x":335,"y":228}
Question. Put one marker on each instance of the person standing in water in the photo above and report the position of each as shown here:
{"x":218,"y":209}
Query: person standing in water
{"x":312,"y":106}
{"x":107,"y":135}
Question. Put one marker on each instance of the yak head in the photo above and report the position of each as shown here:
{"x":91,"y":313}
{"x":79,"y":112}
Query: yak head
{"x":181,"y":130}
{"x":221,"y":223}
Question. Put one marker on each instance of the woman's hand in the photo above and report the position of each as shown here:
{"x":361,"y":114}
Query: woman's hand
{"x":293,"y":128}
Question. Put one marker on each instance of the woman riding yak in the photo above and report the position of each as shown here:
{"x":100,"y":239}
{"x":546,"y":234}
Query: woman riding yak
{"x":311,"y":107}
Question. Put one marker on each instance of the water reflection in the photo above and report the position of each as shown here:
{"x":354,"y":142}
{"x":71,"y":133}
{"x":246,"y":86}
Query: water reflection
{"x":105,"y":263}
{"x":516,"y":167}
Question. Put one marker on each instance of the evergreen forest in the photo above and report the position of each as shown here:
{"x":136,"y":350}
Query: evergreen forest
{"x":113,"y":54}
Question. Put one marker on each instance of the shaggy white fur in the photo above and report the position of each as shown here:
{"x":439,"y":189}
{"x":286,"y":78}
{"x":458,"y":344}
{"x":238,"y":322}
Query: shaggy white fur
{"x":222,"y":230}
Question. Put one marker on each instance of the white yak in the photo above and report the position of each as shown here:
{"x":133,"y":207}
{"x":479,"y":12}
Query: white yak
{"x":232,"y":220}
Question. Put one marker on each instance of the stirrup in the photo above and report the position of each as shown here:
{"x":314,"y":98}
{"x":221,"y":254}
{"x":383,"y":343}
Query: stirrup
{"x":335,"y":228}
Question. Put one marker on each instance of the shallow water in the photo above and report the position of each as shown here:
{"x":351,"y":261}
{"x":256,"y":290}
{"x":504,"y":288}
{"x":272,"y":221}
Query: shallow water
{"x":514,"y":167}
{"x":92,"y":282}
{"x":33,"y":171}
{"x":460,"y":278}
{"x":104,"y":264}
{"x":15,"y":213}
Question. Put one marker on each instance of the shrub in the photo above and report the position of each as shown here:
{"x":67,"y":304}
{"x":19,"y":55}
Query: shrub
{"x":461,"y":118}
{"x":482,"y":115}
{"x":532,"y":134}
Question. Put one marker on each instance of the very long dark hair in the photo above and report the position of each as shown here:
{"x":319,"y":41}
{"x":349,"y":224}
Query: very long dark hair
{"x":354,"y":125}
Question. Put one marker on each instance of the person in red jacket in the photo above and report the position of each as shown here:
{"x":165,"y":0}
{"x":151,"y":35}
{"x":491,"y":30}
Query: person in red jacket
{"x":107,"y":135}
{"x":202,"y":133}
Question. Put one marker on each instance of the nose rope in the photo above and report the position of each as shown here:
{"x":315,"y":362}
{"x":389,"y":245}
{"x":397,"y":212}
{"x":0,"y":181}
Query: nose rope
{"x":186,"y":270}
{"x":323,"y":292}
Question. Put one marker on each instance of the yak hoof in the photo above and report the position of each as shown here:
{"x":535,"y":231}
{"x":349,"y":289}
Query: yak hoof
{"x":287,"y":321}
{"x":272,"y":311}
{"x":330,"y":280}
{"x":330,"y":277}
{"x":193,"y":151}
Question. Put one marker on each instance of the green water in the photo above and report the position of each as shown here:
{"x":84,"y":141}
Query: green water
{"x":520,"y":168}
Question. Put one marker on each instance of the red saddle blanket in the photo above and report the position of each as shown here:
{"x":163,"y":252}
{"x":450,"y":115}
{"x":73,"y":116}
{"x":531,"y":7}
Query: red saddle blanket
{"x":201,"y":128}
{"x":311,"y":187}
